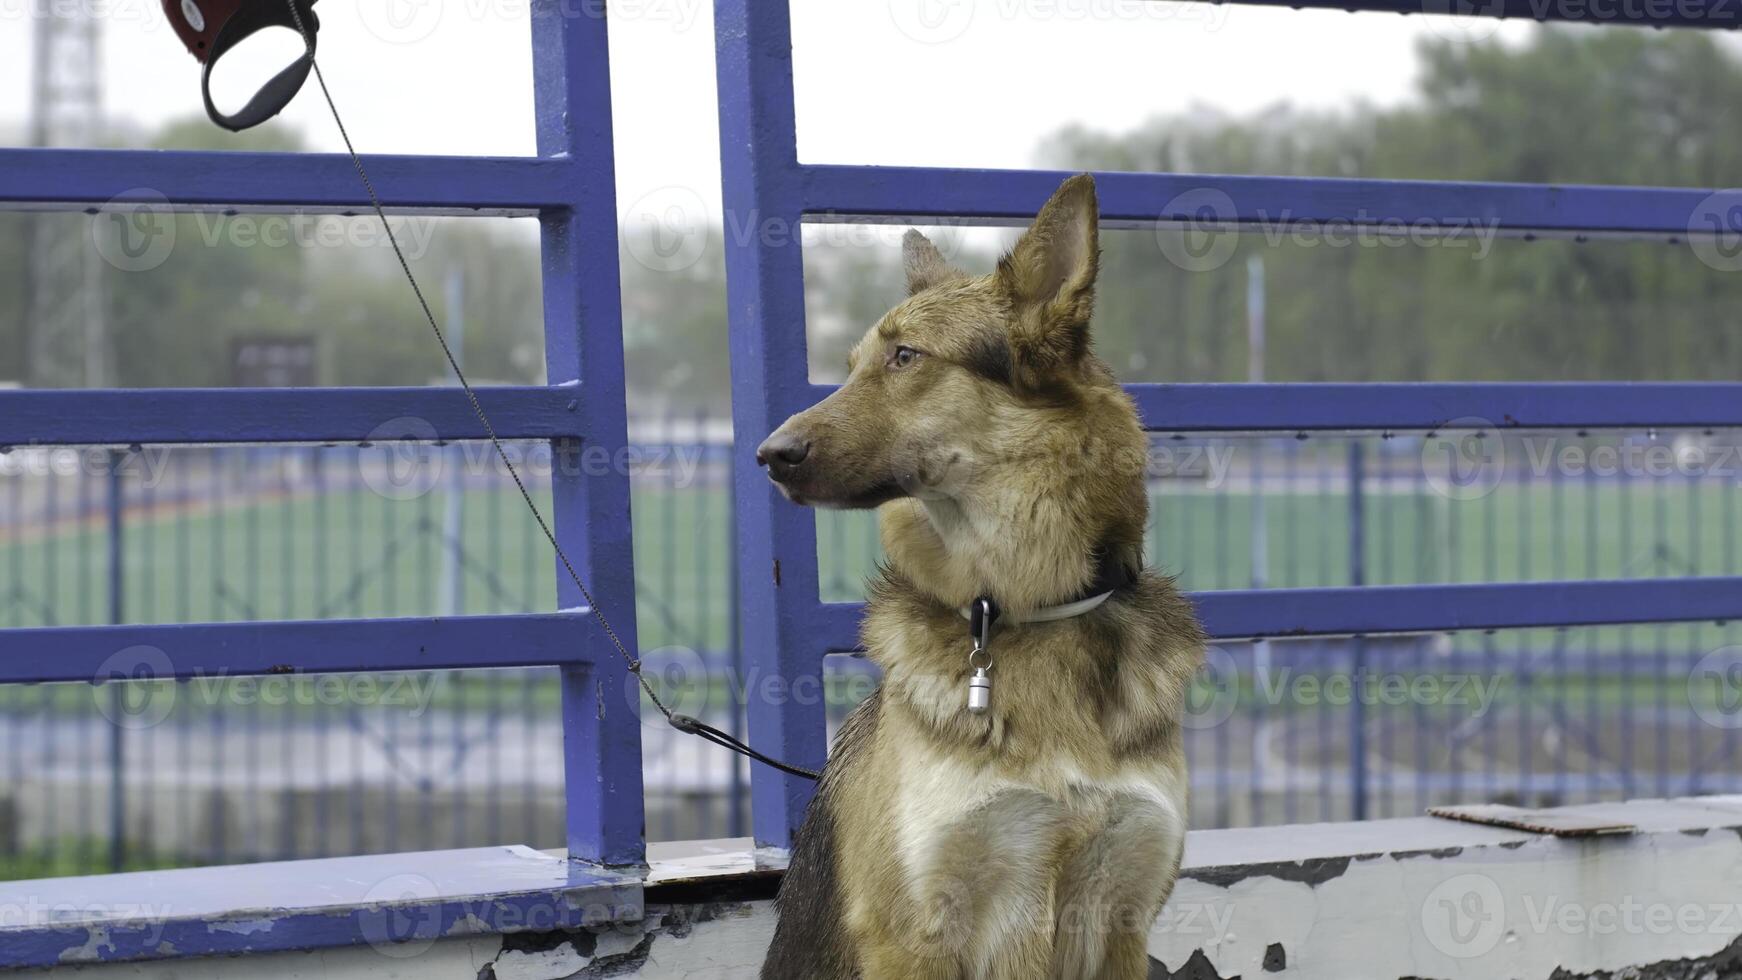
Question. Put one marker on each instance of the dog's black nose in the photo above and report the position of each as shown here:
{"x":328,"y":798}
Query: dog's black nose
{"x":780,"y":453}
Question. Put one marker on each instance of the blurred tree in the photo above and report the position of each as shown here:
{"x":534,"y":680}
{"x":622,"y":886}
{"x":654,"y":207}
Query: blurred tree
{"x":1625,"y":107}
{"x":1567,"y":105}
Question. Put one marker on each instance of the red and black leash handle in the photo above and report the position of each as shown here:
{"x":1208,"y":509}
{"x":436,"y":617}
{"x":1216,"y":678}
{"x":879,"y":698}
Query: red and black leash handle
{"x":210,"y":28}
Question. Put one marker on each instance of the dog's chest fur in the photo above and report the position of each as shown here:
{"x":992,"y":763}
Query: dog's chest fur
{"x":1082,"y":735}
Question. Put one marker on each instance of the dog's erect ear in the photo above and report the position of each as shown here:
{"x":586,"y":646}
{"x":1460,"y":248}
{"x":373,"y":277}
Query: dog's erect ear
{"x":924,"y":264}
{"x":1050,"y":277}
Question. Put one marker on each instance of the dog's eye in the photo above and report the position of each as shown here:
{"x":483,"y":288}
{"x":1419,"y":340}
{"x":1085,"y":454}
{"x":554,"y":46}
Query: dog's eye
{"x":902,"y":357}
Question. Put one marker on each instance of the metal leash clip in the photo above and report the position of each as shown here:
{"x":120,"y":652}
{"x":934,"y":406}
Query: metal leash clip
{"x":980,"y":617}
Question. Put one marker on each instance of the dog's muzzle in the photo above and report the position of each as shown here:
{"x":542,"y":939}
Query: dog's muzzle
{"x":783,"y":454}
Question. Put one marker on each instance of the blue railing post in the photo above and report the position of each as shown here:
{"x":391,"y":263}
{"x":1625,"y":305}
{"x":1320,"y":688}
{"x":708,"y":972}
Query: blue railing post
{"x":1357,"y":643}
{"x":777,"y":551}
{"x":583,"y":333}
{"x":117,"y":693}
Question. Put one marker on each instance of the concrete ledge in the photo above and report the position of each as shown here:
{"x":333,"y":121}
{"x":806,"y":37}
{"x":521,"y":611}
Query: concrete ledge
{"x":1418,"y":898}
{"x":1431,"y":898}
{"x":393,"y":900}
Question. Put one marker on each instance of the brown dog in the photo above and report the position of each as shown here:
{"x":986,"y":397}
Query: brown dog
{"x":1039,"y":837}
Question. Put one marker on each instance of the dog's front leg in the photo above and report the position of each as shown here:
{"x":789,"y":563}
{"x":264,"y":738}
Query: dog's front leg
{"x":1113,"y":889}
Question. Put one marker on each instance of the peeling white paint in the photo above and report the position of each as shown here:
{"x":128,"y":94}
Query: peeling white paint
{"x":243,"y":927}
{"x":1486,"y":912}
{"x":96,"y":941}
{"x":545,"y":964}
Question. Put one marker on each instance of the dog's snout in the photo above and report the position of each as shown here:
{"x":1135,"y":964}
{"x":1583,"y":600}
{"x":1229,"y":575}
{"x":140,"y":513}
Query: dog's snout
{"x":781,"y":452}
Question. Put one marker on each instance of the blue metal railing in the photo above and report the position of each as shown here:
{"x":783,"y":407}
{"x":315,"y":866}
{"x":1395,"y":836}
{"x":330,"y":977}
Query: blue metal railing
{"x":570,"y":187}
{"x":787,"y":628}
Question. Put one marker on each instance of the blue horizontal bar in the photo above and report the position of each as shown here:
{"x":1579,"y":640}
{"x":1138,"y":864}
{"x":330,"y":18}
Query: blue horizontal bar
{"x":96,"y":653}
{"x":895,"y":194}
{"x":1387,"y":406}
{"x":307,"y":182}
{"x":1396,"y":406}
{"x":67,"y":417}
{"x":1713,"y":14}
{"x":1346,"y":611}
{"x":1253,"y":613}
{"x":399,"y":903}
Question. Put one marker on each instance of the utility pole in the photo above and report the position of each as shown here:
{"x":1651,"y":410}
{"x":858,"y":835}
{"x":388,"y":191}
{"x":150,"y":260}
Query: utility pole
{"x":1260,"y":528}
{"x":66,"y":325}
{"x":68,"y":336}
{"x":452,"y":600}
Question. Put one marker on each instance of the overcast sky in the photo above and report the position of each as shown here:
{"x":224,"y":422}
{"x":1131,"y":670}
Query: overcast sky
{"x":934,"y":82}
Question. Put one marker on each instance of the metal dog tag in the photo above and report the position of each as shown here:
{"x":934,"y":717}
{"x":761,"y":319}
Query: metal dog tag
{"x":980,"y":617}
{"x":979,"y":691}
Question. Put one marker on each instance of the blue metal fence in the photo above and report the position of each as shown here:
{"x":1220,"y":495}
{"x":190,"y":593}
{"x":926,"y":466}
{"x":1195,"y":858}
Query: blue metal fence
{"x":788,"y":627}
{"x":569,"y":187}
{"x":1350,"y":564}
{"x":221,"y":769}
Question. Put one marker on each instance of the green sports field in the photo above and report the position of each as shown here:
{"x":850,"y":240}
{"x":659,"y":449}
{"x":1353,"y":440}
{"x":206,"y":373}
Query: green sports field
{"x":353,"y":553}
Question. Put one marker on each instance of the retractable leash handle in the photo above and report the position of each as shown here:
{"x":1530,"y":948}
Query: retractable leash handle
{"x":210,"y":28}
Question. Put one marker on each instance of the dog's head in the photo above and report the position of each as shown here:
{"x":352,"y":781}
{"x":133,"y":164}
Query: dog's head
{"x":978,"y":404}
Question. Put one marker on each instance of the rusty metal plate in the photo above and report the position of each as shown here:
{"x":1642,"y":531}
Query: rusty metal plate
{"x":1560,"y":823}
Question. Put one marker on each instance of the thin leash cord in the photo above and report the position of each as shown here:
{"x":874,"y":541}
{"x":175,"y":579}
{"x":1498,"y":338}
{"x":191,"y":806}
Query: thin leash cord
{"x":681,"y":722}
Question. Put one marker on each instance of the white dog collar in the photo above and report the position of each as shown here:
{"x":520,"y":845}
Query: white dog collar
{"x":1046,"y":614}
